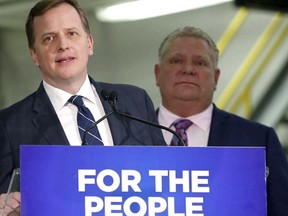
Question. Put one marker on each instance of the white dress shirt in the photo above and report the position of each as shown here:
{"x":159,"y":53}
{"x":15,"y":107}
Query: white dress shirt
{"x":67,"y":112}
{"x":197,"y":133}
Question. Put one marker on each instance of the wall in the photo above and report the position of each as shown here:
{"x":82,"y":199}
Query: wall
{"x":126,"y":52}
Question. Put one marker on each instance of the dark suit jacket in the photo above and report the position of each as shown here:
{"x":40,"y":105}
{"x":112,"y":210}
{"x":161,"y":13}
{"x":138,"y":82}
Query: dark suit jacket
{"x":34,"y":121}
{"x":230,"y":130}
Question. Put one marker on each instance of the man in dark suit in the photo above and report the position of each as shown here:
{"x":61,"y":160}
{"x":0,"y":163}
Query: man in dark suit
{"x":187,"y":76}
{"x":60,"y":44}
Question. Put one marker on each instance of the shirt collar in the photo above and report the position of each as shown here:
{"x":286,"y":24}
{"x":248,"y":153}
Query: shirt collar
{"x":202,"y":120}
{"x":60,"y":97}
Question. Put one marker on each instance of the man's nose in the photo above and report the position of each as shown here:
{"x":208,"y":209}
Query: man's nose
{"x":188,"y":69}
{"x":62,"y":43}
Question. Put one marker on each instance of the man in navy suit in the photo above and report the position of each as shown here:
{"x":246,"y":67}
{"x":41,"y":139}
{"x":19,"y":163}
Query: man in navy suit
{"x":60,"y":44}
{"x":187,"y":76}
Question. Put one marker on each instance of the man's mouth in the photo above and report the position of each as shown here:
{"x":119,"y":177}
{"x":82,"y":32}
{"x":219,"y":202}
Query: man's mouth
{"x":64,"y":60}
{"x":186,"y":82}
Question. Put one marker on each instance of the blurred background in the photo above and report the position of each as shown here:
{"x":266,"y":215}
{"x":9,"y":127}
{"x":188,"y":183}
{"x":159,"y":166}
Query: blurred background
{"x":252,"y":37}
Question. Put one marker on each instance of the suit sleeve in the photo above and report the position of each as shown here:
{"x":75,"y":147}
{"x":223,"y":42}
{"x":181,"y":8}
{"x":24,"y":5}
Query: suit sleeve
{"x":6,"y":160}
{"x":157,"y":135}
{"x":277,"y":181}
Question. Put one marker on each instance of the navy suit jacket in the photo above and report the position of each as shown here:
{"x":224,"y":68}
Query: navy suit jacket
{"x":231,"y":130}
{"x":228,"y":129}
{"x":34,"y":121}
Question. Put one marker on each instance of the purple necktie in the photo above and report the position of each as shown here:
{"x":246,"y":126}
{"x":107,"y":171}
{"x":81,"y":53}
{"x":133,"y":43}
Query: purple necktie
{"x":84,"y":120}
{"x":181,"y":126}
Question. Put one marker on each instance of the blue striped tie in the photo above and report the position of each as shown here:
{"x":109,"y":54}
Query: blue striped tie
{"x":181,"y":126}
{"x":84,"y":120}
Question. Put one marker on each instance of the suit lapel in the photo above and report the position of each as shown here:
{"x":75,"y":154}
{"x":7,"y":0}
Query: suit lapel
{"x":45,"y":119}
{"x":219,"y":128}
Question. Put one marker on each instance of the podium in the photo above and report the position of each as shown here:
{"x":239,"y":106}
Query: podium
{"x":138,"y":181}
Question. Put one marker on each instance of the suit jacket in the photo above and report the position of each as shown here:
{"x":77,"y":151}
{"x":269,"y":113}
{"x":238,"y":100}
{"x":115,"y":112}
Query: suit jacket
{"x":34,"y":121}
{"x":231,"y":130}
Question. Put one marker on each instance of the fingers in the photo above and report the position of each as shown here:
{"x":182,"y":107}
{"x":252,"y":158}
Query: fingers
{"x":15,"y":196}
{"x":12,"y":207}
{"x":15,"y":213}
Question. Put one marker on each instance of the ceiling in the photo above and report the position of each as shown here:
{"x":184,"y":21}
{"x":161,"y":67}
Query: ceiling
{"x":14,"y":12}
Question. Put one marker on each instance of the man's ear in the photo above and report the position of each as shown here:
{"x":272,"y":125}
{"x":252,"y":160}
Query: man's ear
{"x":34,"y":57}
{"x":156,"y":73}
{"x":90,"y":44}
{"x":216,"y":76}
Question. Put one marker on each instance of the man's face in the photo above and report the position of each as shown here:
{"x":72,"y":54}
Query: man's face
{"x":186,"y":72}
{"x":62,"y":47}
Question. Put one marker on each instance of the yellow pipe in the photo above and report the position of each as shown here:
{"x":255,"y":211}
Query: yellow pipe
{"x":232,"y":29}
{"x":248,"y":104}
{"x":259,"y":70}
{"x":268,"y":56}
{"x":243,"y":70}
{"x":241,"y":99}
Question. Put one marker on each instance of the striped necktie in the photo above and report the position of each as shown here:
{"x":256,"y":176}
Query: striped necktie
{"x":181,"y":126}
{"x":84,"y":120}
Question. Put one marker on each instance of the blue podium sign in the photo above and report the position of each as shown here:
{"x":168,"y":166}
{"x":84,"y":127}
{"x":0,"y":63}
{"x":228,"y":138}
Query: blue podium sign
{"x":138,"y":181}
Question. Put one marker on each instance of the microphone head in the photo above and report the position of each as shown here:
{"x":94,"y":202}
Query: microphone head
{"x":113,"y":96}
{"x":105,"y":94}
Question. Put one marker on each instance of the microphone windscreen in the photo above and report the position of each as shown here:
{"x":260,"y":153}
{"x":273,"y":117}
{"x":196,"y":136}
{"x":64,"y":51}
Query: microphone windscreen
{"x":113,"y":95}
{"x":105,"y":94}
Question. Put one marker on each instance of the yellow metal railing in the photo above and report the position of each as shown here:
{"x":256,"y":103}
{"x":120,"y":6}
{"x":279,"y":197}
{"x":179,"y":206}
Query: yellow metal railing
{"x":244,"y":97}
{"x":233,"y":27}
{"x":242,"y":72}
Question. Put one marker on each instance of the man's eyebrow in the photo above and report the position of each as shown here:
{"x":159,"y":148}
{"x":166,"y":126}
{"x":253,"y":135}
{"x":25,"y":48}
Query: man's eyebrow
{"x":54,"y":32}
{"x":47,"y":33}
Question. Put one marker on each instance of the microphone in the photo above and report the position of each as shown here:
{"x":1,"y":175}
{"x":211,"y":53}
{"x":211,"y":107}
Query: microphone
{"x":112,"y":99}
{"x":105,"y":96}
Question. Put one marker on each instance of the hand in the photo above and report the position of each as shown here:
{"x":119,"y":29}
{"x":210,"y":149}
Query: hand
{"x":12,"y":207}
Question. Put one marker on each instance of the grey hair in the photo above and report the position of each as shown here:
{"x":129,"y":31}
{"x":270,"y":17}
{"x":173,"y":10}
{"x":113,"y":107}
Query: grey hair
{"x":189,"y":32}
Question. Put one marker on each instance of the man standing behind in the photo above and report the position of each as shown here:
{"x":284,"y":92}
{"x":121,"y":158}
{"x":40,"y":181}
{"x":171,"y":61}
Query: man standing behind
{"x":60,"y":45}
{"x":187,"y":76}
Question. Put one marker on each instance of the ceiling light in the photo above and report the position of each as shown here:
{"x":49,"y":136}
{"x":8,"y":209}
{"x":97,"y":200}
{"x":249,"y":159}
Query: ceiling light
{"x":143,"y":9}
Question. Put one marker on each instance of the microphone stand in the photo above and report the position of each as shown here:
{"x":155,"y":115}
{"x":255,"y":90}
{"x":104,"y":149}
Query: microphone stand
{"x":112,"y":101}
{"x":112,"y":98}
{"x":93,"y":125}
